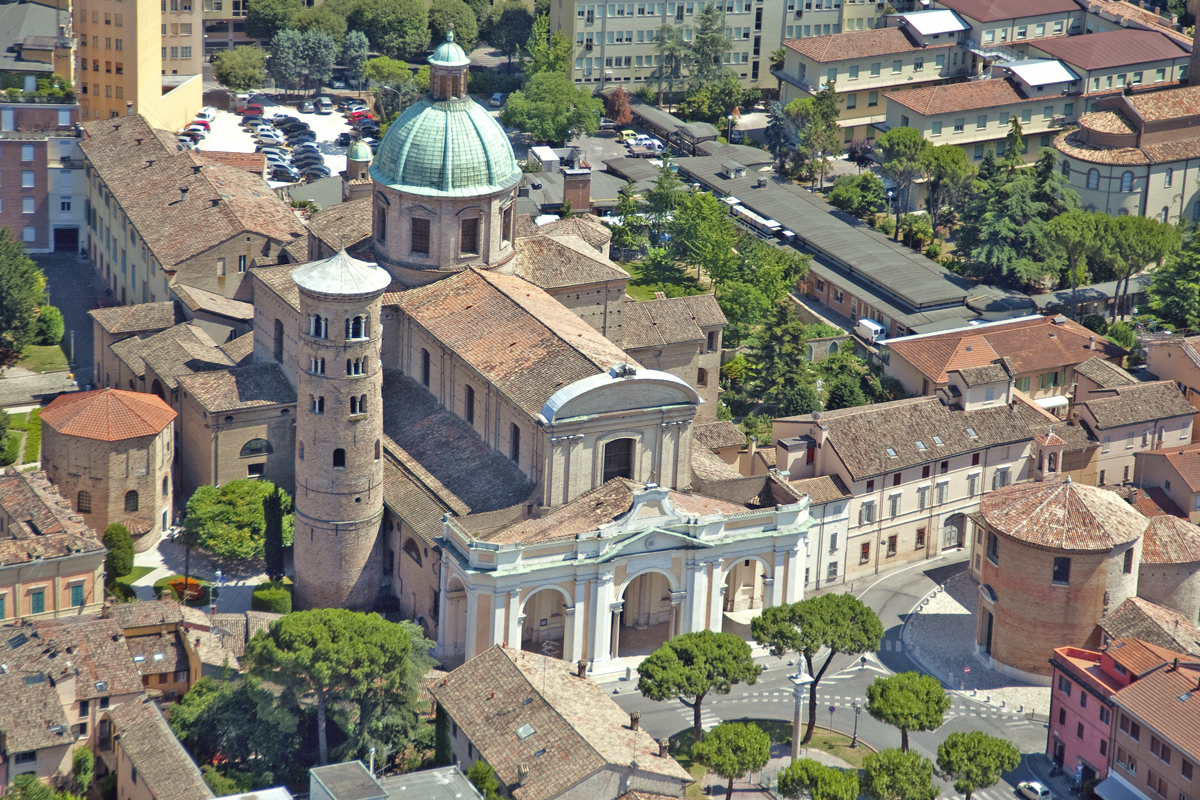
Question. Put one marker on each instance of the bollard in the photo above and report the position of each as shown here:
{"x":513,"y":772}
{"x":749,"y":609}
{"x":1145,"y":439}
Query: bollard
{"x":629,"y":673}
{"x":1003,"y":703}
{"x":1021,"y":709}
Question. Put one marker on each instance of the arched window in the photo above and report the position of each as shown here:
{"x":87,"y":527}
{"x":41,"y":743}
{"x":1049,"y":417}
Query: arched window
{"x":356,"y":366}
{"x":1093,"y":179}
{"x":1165,"y":215}
{"x":425,"y":367}
{"x":339,"y":458}
{"x":469,"y":405}
{"x":362,"y":404}
{"x":131,"y":501}
{"x":353,"y":405}
{"x":1168,"y":177}
{"x":318,"y":327}
{"x":316,"y":366}
{"x":1053,"y":461}
{"x":413,"y":550}
{"x":618,"y":459}
{"x":166,"y":486}
{"x":156,"y":388}
{"x":514,"y":442}
{"x":1122,"y":212}
{"x":702,"y":377}
{"x":318,"y":404}
{"x":1066,"y":169}
{"x":357,"y":327}
{"x":381,"y":223}
{"x":300,"y":450}
{"x":84,"y":504}
{"x":1127,"y":181}
{"x":257,"y":447}
{"x":378,"y":450}
{"x":278,"y":341}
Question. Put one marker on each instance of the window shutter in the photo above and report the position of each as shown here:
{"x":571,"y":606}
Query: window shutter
{"x":996,"y":480}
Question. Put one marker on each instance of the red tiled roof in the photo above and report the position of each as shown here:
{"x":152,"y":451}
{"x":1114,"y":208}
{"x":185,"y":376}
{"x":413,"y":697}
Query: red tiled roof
{"x":952,"y":97}
{"x":1139,"y":17}
{"x":1062,"y":516}
{"x":1171,"y":540}
{"x":1181,"y":101}
{"x":857,"y":44}
{"x":1141,"y":658}
{"x":1111,"y":48}
{"x":1168,"y":703}
{"x":992,"y":10}
{"x":1185,"y":460}
{"x":109,"y":415}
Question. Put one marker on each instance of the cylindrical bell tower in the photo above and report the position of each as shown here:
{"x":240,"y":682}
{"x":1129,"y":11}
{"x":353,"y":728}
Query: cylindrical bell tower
{"x":339,"y":432}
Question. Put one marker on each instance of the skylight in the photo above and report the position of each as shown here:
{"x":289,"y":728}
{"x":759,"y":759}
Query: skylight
{"x":921,"y":446}
{"x":891,"y":453}
{"x":971,"y":432}
{"x":938,"y":441}
{"x":1183,"y":698}
{"x":525,"y":731}
{"x":138,"y":659}
{"x":158,"y":656}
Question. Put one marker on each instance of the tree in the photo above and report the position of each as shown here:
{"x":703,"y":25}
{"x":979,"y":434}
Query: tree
{"x":119,"y":561}
{"x":777,"y":134}
{"x":948,"y":179}
{"x":1175,"y":291}
{"x":269,"y":17}
{"x":661,"y":201}
{"x":976,"y":760}
{"x":387,"y":71}
{"x":903,"y":157}
{"x":549,"y":53}
{"x":844,"y":391}
{"x":397,"y":28}
{"x":861,"y":154}
{"x":710,"y":45}
{"x":732,"y":749}
{"x":839,"y":622}
{"x":22,"y":291}
{"x":1014,"y":145}
{"x":287,"y":57}
{"x":697,"y":219}
{"x":446,"y":13}
{"x":1051,"y":186}
{"x":318,"y":51}
{"x":1072,"y":236}
{"x":778,"y":61}
{"x":693,"y":665}
{"x":242,"y":68}
{"x":330,"y":656}
{"x":898,"y":775}
{"x":860,"y":195}
{"x":483,"y":777}
{"x":228,"y":520}
{"x":617,"y":107}
{"x":275,"y":506}
{"x":909,"y":701}
{"x":50,"y":325}
{"x":83,"y":767}
{"x":805,"y":777}
{"x":674,"y":57}
{"x":551,"y":106}
{"x":630,"y":234}
{"x":1138,"y":241}
{"x":324,"y":20}
{"x":28,"y":786}
{"x":780,"y":356}
{"x":658,"y":266}
{"x":355,"y":49}
{"x":510,"y":27}
{"x":799,"y":398}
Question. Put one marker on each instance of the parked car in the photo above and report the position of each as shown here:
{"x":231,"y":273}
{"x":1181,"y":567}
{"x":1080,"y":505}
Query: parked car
{"x":371,"y":143}
{"x":274,"y":137}
{"x":194,"y":136}
{"x":294,"y":125}
{"x":324,"y":105}
{"x":345,"y":138}
{"x":196,"y":129}
{"x":497,"y":100}
{"x":627,"y":135}
{"x":272,"y":149}
{"x":607,"y":124}
{"x":253,"y":109}
{"x":736,"y":137}
{"x":306,"y":147}
{"x":208,"y":114}
{"x":1034,"y":790}
{"x":300,"y":137}
{"x":281,"y":118}
{"x":252,"y":119}
{"x":316,"y":171}
{"x":284,"y":173}
{"x":310,"y":160}
{"x":356,"y":107}
{"x":338,"y":83}
{"x":186,"y":142}
{"x":276,"y":160}
{"x":201,"y":123}
{"x":307,"y":107}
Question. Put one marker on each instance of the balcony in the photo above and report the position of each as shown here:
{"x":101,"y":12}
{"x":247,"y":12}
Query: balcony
{"x":13,"y":96}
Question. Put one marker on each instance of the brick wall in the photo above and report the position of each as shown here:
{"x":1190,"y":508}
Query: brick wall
{"x":23,"y":161}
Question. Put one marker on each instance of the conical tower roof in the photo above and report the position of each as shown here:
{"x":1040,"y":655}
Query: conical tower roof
{"x":341,"y":273}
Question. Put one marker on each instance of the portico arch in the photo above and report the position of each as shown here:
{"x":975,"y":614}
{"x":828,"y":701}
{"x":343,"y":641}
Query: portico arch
{"x":454,"y":629}
{"x":543,"y":619}
{"x":745,"y":584}
{"x":648,"y":611}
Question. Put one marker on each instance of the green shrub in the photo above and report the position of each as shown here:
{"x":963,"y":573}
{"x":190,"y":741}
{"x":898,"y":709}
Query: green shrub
{"x":106,"y":787}
{"x":887,"y":226}
{"x":933,"y":251}
{"x":1096,"y":324}
{"x":83,"y":766}
{"x":12,"y":450}
{"x":272,"y":597}
{"x":122,"y":592}
{"x":119,"y":562}
{"x":50,"y":325}
{"x":483,"y":81}
{"x":163,"y":585}
{"x":33,"y":437}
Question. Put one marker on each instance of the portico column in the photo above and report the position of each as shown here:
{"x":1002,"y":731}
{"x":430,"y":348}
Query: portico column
{"x":794,"y":592}
{"x":570,"y":653}
{"x":676,"y":614}
{"x":576,"y":624}
{"x":777,"y":583}
{"x":513,"y":636}
{"x":472,"y":623}
{"x":616,"y":628}
{"x":496,"y":623}
{"x":716,"y":598}
{"x":600,"y":623}
{"x":697,"y":595}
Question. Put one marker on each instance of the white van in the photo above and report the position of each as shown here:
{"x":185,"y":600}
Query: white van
{"x":324,"y":105}
{"x":869,"y":330}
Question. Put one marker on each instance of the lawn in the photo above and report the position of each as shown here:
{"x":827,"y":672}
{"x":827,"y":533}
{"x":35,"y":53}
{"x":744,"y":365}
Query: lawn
{"x":135,"y":574}
{"x":780,"y":732}
{"x":18,"y":421}
{"x":43,"y":358}
{"x":677,"y":283}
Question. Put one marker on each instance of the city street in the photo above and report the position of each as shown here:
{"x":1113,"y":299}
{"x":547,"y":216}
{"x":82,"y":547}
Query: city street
{"x":893,"y":596}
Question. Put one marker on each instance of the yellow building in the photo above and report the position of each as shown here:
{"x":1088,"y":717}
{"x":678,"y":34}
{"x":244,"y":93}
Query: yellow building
{"x":140,"y":57}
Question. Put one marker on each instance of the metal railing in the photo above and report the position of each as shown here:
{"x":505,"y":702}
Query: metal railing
{"x":992,"y":50}
{"x":38,"y":99}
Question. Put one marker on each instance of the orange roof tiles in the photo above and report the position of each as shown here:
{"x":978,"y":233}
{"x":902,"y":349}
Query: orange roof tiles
{"x":1141,"y":658}
{"x":109,"y":415}
{"x":993,"y":10}
{"x":1185,"y":460}
{"x":1062,"y":516}
{"x":1167,"y":702}
{"x":952,"y":97}
{"x":1171,"y":540}
{"x":857,"y":44}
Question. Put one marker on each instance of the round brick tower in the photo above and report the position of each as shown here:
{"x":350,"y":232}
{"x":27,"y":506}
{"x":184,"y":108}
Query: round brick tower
{"x":339,"y":428}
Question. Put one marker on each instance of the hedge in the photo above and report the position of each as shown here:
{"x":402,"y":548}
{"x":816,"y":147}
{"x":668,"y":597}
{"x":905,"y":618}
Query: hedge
{"x":122,"y":591}
{"x":12,"y":449}
{"x":33,"y":437}
{"x":273,"y":597}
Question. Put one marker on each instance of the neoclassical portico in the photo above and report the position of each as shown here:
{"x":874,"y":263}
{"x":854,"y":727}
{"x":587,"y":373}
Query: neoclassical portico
{"x":664,"y":563}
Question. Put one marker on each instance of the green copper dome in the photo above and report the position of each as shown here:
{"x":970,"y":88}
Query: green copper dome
{"x":449,"y":54}
{"x":446,"y":148}
{"x":358,"y":151}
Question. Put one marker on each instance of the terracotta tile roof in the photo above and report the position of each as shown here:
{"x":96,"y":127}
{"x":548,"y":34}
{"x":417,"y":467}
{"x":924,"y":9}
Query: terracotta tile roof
{"x":858,"y":44}
{"x":1171,"y":540}
{"x":31,"y":714}
{"x":240,"y":388}
{"x":140,"y":318}
{"x":1155,"y":624}
{"x":1113,"y":121}
{"x":1034,"y":345}
{"x":43,"y":523}
{"x":161,"y":761}
{"x":445,"y":452}
{"x":109,"y":415}
{"x":279,"y":280}
{"x":1150,"y":501}
{"x":1049,"y":439}
{"x":577,"y":730}
{"x":1141,"y":658}
{"x":825,"y":489}
{"x":145,"y":614}
{"x":999,"y":372}
{"x":1104,"y":373}
{"x":157,"y":654}
{"x":145,"y":179}
{"x":994,"y":10}
{"x":99,"y":654}
{"x":1063,"y":515}
{"x":1112,"y":49}
{"x":951,"y":97}
{"x":254,"y":163}
{"x":718,"y":435}
{"x":1183,"y":101}
{"x":183,"y":350}
{"x":557,"y":262}
{"x":1071,"y":143}
{"x":709,"y":467}
{"x":1139,"y":17}
{"x":235,"y":630}
{"x":1185,"y":459}
{"x":418,"y":506}
{"x":241,"y":349}
{"x":203,"y":300}
{"x":1137,"y":403}
{"x":861,"y":436}
{"x":343,"y":224}
{"x":673,"y":320}
{"x":1167,"y":702}
{"x":520,"y":339}
{"x":585,"y":226}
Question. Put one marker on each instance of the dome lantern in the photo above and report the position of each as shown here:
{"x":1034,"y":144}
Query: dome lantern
{"x":448,"y":68}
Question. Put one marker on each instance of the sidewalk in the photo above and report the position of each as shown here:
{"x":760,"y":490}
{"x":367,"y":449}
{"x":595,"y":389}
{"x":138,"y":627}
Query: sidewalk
{"x":169,"y":558}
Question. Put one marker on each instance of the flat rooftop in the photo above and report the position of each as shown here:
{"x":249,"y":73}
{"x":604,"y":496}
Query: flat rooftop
{"x":445,"y":783}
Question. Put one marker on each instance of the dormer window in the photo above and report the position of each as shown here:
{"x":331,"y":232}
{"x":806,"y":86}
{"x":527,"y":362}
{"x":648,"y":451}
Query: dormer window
{"x":971,"y":432}
{"x":938,"y":441}
{"x":921,"y":446}
{"x":891,"y":453}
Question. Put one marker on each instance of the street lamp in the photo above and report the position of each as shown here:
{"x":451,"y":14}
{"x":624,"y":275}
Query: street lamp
{"x":819,"y":155}
{"x":800,"y":680}
{"x":892,"y":198}
{"x":854,"y":741}
{"x":729,"y":133}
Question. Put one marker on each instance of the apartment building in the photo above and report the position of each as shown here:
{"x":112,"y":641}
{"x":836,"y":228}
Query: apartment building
{"x":977,"y":115}
{"x":1131,"y":419}
{"x":1155,"y":744}
{"x":864,"y":65}
{"x":1045,"y":353}
{"x":120,"y":71}
{"x":39,"y":41}
{"x":148,"y":761}
{"x":1001,"y":29}
{"x":1175,"y":470}
{"x":917,"y":468}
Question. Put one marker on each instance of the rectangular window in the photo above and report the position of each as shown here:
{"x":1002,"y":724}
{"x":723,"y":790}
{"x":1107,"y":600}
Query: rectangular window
{"x":872,"y":99}
{"x":935,"y":129}
{"x":993,"y":548}
{"x":978,"y":153}
{"x":851,"y":102}
{"x":894,"y":506}
{"x":852,"y":73}
{"x":420,"y":236}
{"x":27,"y":179}
{"x":959,"y":125}
{"x":1078,"y":730}
{"x":1127,"y":567}
{"x":1082,"y":699}
{"x":891,"y":546}
{"x":875,"y":69}
{"x":1064,"y":685}
{"x":37,"y":602}
{"x":922,"y":498}
{"x":1062,"y":571}
{"x":84,"y":708}
{"x":514,"y":445}
{"x":981,"y":122}
{"x":866,"y":513}
{"x":918,"y":65}
{"x":941,"y":492}
{"x":469,"y":241}
{"x":832,"y":573}
{"x":28,"y":205}
{"x":1160,"y":749}
{"x":864,"y":552}
{"x":77,"y":596}
{"x":897,"y":66}
{"x":1105,"y":715}
{"x":972,"y":485}
{"x":1185,"y":769}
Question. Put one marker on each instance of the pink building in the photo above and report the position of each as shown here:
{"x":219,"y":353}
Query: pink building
{"x":1081,"y":703}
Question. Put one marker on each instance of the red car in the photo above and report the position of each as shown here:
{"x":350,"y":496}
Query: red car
{"x":203,"y":123}
{"x":357,"y":115}
{"x":253,"y":109}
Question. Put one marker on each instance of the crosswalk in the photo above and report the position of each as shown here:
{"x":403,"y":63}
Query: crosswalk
{"x":708,"y":720}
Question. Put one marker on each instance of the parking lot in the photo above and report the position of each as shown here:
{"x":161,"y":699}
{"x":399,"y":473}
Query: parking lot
{"x":228,"y":135}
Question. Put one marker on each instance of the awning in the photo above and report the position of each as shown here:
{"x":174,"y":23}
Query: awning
{"x":1058,"y":401}
{"x":1112,"y":789}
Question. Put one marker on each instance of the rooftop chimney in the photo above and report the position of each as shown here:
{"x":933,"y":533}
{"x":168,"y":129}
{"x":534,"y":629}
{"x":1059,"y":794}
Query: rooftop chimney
{"x":581,"y":668}
{"x":522,"y":774}
{"x":183,"y":190}
{"x":577,"y":189}
{"x":216,"y":201}
{"x":1175,"y":665}
{"x":195,"y":169}
{"x":1091,"y":343}
{"x":139,"y":141}
{"x":149,"y":164}
{"x":663,"y":748}
{"x":635,"y":718}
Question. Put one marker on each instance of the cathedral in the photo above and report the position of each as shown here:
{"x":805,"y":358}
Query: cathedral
{"x":475,"y":419}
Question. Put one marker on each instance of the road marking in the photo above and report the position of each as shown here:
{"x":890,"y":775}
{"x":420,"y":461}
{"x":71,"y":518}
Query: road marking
{"x":887,"y":645}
